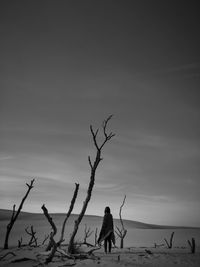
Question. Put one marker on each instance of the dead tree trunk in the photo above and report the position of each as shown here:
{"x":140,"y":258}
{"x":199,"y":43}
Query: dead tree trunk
{"x":54,"y":229}
{"x":169,"y":244}
{"x":121,"y":232}
{"x":53,"y":246}
{"x":192,"y":245}
{"x":15,"y":214}
{"x":93,"y":167}
{"x":69,"y":211}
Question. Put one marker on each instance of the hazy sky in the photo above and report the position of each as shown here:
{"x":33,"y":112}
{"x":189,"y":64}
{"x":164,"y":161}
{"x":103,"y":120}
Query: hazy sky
{"x":67,"y":64}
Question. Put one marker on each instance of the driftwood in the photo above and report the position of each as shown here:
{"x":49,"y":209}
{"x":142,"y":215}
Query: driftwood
{"x":170,"y":243}
{"x":22,"y":259}
{"x":192,"y":245}
{"x":93,"y":167}
{"x":121,"y":233}
{"x":15,"y":214}
{"x":5,"y":255}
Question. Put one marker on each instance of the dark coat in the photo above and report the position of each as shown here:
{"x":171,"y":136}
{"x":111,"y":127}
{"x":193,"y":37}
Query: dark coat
{"x":107,"y":228}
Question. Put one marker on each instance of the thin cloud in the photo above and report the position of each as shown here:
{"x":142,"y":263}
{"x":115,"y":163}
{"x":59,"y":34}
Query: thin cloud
{"x":184,"y":67}
{"x":2,"y":158}
{"x":191,"y":69}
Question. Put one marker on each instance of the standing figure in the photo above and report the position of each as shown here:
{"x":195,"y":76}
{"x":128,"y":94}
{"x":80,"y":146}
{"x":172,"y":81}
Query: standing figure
{"x":107,"y":231}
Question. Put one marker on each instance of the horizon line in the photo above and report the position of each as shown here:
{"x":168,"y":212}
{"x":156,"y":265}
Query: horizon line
{"x":130,"y":220}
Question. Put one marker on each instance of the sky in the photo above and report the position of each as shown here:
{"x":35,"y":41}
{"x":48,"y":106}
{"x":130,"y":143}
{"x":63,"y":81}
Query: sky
{"x":66,"y":65}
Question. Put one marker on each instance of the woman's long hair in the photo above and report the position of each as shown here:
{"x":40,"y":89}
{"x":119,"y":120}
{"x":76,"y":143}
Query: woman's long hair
{"x":107,"y":210}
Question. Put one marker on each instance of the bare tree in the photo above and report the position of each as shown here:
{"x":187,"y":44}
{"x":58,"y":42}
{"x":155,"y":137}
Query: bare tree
{"x":192,"y":245}
{"x":93,"y":167}
{"x":15,"y":214}
{"x":170,"y":243}
{"x":121,"y":232}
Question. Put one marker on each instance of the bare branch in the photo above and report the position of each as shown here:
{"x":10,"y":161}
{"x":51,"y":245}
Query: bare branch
{"x":45,"y":239}
{"x":54,"y":246}
{"x":46,"y":213}
{"x":32,"y":234}
{"x":88,"y":233}
{"x":95,"y":237}
{"x":8,"y":253}
{"x":118,"y":232}
{"x":107,"y":136}
{"x":105,"y":122}
{"x":121,"y":232}
{"x":53,"y":233}
{"x":94,"y":135}
{"x":170,"y":243}
{"x":120,"y":212}
{"x":92,"y":178}
{"x":16,"y":214}
{"x":29,"y":188}
{"x":70,"y":210}
{"x":13,"y":213}
{"x":89,"y":159}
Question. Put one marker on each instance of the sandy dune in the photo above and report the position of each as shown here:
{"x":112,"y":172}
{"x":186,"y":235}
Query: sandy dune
{"x":134,"y":255}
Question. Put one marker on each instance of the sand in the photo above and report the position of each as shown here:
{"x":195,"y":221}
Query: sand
{"x":135,"y":253}
{"x":160,"y":257}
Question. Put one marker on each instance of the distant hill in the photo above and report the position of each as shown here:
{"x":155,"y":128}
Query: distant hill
{"x":88,"y":219}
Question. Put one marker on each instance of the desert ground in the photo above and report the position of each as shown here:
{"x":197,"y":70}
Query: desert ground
{"x":139,"y":244}
{"x":28,"y":256}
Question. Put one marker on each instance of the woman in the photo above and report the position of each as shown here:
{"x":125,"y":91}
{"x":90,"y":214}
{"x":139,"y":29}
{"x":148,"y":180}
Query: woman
{"x":107,"y":231}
